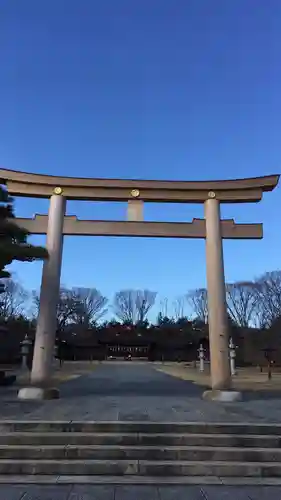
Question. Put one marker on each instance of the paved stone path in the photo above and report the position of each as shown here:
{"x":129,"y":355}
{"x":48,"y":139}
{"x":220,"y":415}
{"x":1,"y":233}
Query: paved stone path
{"x":84,"y":492}
{"x":137,"y":391}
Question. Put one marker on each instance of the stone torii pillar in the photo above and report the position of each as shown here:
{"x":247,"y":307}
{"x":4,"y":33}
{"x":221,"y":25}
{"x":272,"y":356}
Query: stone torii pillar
{"x":217,"y":308}
{"x":41,"y":375}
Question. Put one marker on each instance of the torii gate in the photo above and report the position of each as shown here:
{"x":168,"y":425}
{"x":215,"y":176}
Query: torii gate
{"x":135,"y":192}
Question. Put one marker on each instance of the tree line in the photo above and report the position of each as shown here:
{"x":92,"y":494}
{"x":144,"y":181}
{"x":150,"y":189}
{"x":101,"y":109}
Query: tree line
{"x":254,"y":303}
{"x":249,"y":303}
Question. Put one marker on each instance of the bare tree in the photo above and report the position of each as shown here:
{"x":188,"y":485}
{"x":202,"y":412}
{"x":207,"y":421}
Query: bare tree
{"x":82,"y":306}
{"x":145,"y":300}
{"x":198,"y":300}
{"x":90,"y":306}
{"x":65,"y":307}
{"x":164,"y":307}
{"x":268,"y":296}
{"x":241,"y":300}
{"x":124,"y":306}
{"x":163,"y":314}
{"x":179,"y":306}
{"x":12,"y":300}
{"x":132,"y":306}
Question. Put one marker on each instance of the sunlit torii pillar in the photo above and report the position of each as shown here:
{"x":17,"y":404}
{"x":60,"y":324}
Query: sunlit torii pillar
{"x":41,"y":375}
{"x":217,"y":308}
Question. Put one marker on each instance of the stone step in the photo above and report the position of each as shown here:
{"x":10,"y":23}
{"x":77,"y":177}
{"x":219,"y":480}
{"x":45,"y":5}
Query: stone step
{"x":134,"y":439}
{"x":140,"y":427}
{"x":215,"y":468}
{"x":140,"y":468}
{"x":151,"y":453}
{"x":139,"y":449}
{"x":140,"y":480}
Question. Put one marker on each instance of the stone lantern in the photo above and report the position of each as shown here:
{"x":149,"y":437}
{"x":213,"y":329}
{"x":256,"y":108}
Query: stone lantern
{"x":232,"y":355}
{"x":25,"y":349}
{"x":201,"y":351}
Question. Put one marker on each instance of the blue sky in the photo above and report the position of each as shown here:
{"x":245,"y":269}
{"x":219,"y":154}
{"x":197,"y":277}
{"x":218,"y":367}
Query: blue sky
{"x":159,"y":89}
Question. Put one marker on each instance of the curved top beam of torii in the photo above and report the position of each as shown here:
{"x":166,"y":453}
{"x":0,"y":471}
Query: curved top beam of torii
{"x":226,"y":191}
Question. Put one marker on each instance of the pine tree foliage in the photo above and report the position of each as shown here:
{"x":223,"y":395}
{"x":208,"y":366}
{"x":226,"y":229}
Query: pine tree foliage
{"x":13,"y":239}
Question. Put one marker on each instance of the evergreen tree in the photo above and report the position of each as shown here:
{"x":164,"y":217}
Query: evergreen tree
{"x":13,"y":239}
